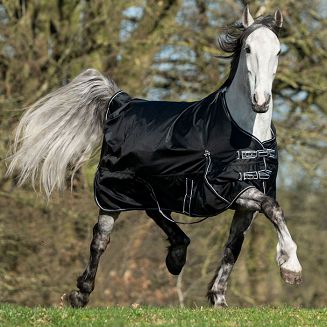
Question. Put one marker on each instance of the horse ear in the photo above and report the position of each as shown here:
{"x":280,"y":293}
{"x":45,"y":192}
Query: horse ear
{"x":279,"y":18}
{"x":247,"y":19}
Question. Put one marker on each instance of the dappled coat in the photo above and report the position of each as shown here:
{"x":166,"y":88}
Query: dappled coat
{"x":187,"y":157}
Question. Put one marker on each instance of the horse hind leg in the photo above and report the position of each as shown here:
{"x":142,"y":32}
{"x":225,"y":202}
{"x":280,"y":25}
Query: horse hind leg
{"x":85,"y":282}
{"x":177,"y":251}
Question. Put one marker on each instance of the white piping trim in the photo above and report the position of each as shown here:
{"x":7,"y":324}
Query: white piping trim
{"x":188,"y":196}
{"x":206,"y":179}
{"x":273,"y":138}
{"x":238,"y":195}
{"x":190,"y":199}
{"x":241,"y":129}
{"x":159,"y":209}
{"x":97,"y":202}
{"x":126,"y":209}
{"x":263,"y":183}
{"x":186,"y":189}
{"x":168,"y":218}
{"x":111,"y":210}
{"x":111,"y":99}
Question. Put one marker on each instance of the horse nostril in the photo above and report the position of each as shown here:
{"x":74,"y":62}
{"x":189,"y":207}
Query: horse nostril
{"x":268,"y":98}
{"x":254,"y":98}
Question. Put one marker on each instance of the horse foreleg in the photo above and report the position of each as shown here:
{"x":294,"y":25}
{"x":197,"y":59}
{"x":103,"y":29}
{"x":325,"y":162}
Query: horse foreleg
{"x":217,"y":287}
{"x":85,"y":282}
{"x":178,"y":240}
{"x":290,"y":267}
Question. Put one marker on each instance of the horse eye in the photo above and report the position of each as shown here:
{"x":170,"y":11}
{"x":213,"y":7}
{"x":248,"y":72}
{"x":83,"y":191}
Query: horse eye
{"x":278,"y":53}
{"x":247,"y":49}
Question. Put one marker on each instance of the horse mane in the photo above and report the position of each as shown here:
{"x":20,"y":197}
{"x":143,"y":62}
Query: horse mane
{"x":233,"y":36}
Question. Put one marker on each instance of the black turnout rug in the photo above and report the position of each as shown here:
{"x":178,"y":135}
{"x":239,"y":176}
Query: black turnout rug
{"x":187,"y":157}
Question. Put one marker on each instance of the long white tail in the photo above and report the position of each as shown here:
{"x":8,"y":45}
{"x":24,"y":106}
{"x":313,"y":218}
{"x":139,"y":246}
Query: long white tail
{"x":61,"y":130}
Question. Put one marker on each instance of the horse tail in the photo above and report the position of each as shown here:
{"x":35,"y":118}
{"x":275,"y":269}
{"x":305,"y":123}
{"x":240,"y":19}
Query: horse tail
{"x":61,"y":130}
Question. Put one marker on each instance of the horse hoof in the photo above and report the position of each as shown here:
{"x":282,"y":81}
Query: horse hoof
{"x":217,"y":300}
{"x":291,"y":277}
{"x":221,"y":305}
{"x":76,"y":299}
{"x":176,"y":258}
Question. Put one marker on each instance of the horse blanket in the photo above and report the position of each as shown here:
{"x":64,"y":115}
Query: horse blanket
{"x":187,"y":157}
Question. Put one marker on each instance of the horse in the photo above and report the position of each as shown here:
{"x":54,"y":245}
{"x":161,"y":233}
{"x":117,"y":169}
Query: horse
{"x":163,"y":157}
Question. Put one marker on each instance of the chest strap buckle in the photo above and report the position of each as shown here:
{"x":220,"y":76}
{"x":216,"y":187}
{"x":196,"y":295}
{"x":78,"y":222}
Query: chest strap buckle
{"x":250,"y":175}
{"x":253,"y":154}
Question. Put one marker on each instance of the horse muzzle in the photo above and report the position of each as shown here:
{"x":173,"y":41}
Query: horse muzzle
{"x":260,"y":108}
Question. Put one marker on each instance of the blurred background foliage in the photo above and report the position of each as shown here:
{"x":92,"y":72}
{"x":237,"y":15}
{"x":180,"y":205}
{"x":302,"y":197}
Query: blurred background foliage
{"x":159,"y":49}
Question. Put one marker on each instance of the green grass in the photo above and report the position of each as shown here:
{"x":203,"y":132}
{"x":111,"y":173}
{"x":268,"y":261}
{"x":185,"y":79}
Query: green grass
{"x":11,"y":315}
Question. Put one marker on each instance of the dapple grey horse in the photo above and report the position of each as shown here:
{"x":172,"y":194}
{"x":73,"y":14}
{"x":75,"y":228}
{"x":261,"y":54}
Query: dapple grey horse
{"x":61,"y":130}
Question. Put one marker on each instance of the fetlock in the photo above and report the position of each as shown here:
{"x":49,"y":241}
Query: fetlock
{"x":84,"y":285}
{"x":78,"y":299}
{"x":217,"y":299}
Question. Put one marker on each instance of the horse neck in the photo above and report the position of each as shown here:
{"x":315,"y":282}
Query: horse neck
{"x":239,"y":105}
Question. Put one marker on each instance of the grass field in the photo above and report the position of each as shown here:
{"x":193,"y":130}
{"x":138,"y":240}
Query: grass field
{"x":11,"y":315}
